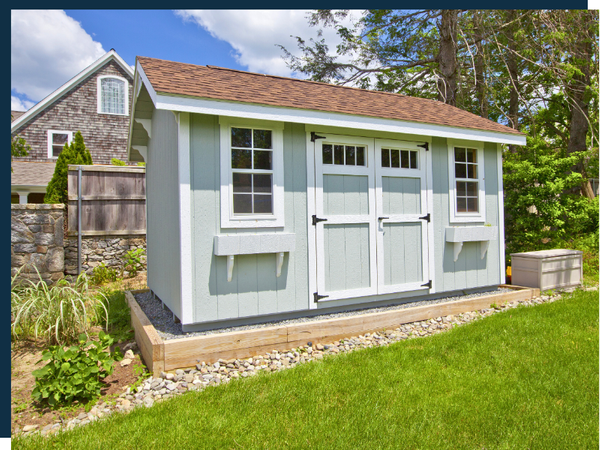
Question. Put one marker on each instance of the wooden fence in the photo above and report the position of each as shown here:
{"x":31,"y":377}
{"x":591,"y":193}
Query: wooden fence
{"x":113,"y":200}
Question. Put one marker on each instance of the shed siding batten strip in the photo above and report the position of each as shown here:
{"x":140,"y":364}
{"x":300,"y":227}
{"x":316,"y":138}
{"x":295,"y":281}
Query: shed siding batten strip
{"x":185,"y":223}
{"x":501,"y":217}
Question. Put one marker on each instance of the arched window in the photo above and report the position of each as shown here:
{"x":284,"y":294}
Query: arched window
{"x":113,"y":95}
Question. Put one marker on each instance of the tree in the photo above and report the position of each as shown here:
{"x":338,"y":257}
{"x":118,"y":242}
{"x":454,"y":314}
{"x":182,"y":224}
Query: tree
{"x":75,"y":153}
{"x":18,"y":147}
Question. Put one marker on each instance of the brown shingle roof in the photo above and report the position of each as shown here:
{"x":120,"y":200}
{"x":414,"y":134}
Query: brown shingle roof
{"x":233,"y":85}
{"x":31,"y":173}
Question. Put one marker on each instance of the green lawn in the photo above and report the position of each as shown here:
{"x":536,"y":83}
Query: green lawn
{"x":522,"y":379}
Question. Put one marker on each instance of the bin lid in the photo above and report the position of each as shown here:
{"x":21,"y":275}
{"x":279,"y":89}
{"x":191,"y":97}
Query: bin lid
{"x":544,"y":254}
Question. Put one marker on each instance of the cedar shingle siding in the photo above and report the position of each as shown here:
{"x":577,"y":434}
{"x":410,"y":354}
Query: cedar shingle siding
{"x":105,"y":135}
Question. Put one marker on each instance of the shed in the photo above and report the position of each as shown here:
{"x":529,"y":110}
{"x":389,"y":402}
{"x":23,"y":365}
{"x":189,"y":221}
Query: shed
{"x":271,"y":197}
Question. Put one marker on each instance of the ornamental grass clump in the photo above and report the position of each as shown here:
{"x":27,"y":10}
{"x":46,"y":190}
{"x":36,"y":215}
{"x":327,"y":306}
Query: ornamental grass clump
{"x":55,"y":314}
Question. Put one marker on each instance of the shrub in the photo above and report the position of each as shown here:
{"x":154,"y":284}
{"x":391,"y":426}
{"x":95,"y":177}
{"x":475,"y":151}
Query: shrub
{"x":134,"y":262}
{"x":117,"y":162}
{"x":119,"y":319}
{"x":76,"y":153}
{"x":102,"y":274}
{"x":75,"y":373}
{"x":56,"y":314}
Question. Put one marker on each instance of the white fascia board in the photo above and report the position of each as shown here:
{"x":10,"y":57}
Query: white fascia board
{"x":68,"y":85}
{"x":311,"y":117}
{"x":139,"y":79}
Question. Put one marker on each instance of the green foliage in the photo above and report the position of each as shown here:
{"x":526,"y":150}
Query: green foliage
{"x":102,"y":274}
{"x":141,"y":164}
{"x":117,"y":162}
{"x":76,"y":153}
{"x":75,"y":373}
{"x":588,"y":244}
{"x":56,"y":314}
{"x":540,"y":206}
{"x":119,"y":318}
{"x":134,"y":261}
{"x":18,"y":147}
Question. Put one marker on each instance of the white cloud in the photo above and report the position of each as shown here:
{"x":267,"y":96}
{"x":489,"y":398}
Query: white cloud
{"x":48,"y":48}
{"x":17,"y":104}
{"x":254,"y":33}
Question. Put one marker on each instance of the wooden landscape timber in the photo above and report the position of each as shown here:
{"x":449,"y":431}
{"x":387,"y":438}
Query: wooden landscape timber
{"x":165,"y":355}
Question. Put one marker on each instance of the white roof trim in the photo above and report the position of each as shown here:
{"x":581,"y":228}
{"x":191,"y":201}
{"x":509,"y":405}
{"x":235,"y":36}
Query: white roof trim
{"x":312,"y":117}
{"x":40,"y":106}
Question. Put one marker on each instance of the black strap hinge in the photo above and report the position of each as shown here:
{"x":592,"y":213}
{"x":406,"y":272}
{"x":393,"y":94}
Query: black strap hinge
{"x":427,"y":217}
{"x":428,"y":284}
{"x":316,"y":220}
{"x":314,"y":136}
{"x":319,"y":297}
{"x":425,"y":146}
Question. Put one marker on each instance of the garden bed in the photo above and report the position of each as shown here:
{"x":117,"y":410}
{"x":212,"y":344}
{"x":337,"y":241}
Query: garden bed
{"x":170,"y":354}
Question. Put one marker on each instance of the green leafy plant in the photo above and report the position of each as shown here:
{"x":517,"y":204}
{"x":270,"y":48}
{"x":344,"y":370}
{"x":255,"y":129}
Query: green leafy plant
{"x":117,"y":162}
{"x":102,"y":274}
{"x":75,"y":373}
{"x":55,"y":314}
{"x":134,"y":261}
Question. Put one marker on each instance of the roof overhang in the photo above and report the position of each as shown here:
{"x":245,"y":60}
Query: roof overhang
{"x":40,"y":106}
{"x":255,"y":111}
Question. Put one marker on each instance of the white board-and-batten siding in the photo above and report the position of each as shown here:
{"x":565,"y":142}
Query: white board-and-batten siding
{"x":255,"y":290}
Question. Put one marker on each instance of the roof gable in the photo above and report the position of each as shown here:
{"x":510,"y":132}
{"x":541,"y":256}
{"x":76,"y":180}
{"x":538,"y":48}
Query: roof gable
{"x":65,"y":88}
{"x":172,"y":79}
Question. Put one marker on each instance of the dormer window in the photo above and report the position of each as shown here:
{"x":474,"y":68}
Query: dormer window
{"x":113,"y":95}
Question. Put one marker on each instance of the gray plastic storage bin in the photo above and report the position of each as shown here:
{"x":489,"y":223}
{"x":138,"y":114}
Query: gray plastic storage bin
{"x":547,"y":269}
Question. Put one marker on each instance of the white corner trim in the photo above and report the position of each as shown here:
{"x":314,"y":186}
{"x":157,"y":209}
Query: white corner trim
{"x":68,"y":85}
{"x":185,"y":219}
{"x":310,"y":210}
{"x":501,"y":217}
{"x":324,"y":118}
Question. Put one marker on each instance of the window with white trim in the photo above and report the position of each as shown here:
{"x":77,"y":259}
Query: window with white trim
{"x":251,"y":174}
{"x":113,"y":95}
{"x":57,"y":141}
{"x":467,"y":190}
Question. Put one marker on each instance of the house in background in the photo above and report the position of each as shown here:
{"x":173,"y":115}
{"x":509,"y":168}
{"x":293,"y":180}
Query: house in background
{"x":271,"y":198}
{"x":95,"y":102}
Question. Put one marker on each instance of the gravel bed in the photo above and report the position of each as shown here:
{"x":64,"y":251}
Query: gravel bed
{"x":162,"y":319}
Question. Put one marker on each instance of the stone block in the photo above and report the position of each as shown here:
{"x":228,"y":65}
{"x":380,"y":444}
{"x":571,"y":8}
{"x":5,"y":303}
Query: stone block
{"x":44,"y":238}
{"x":19,"y":259}
{"x":19,"y":232}
{"x":41,"y":249}
{"x":55,"y":259}
{"x":24,"y":248}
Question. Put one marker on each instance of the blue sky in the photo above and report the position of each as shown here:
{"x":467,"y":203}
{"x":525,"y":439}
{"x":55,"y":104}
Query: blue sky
{"x":49,"y":47}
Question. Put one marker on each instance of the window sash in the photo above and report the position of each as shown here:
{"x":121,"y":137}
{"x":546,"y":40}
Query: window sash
{"x":112,"y":96}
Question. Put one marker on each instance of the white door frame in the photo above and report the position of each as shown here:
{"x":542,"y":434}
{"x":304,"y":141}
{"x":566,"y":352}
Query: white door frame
{"x":421,"y":173}
{"x":315,"y":192}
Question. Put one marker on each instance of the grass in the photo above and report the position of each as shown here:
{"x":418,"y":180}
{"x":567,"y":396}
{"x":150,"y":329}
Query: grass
{"x":525,"y":378}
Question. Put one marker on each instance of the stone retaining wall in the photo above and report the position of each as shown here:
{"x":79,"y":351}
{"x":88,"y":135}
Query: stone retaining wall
{"x":96,"y":250}
{"x":37,"y":240}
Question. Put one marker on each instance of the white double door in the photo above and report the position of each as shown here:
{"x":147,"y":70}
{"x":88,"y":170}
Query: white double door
{"x":369,"y":217}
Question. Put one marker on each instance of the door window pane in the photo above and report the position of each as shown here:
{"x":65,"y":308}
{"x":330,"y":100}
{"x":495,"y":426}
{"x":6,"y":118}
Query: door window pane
{"x":338,"y":155}
{"x":360,"y":156}
{"x":385,"y":157}
{"x":327,"y":154}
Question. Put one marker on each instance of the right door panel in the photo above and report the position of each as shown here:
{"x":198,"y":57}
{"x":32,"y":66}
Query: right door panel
{"x":402,"y":247}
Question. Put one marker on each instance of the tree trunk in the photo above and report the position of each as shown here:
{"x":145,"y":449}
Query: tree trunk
{"x":578,"y":92}
{"x":447,"y":84}
{"x":480,"y":86}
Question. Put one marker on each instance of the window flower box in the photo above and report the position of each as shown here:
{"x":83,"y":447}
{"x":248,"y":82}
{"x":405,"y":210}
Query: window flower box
{"x":459,"y":235}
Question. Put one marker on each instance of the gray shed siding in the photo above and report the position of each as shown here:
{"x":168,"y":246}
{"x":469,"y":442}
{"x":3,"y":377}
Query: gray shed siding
{"x":162,"y":199}
{"x":255,"y":290}
{"x":469,"y":271}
